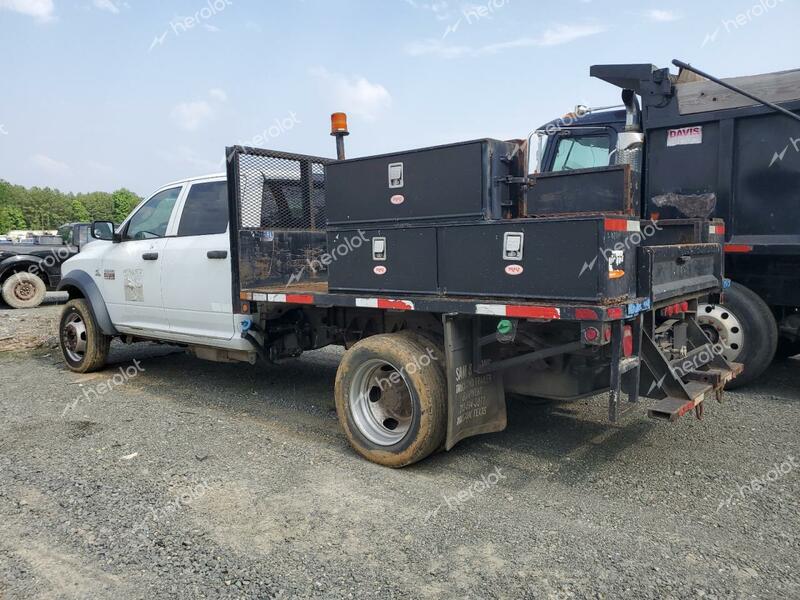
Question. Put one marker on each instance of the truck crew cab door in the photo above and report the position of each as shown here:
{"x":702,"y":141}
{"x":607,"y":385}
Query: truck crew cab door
{"x":130,"y":273}
{"x":197,"y":269}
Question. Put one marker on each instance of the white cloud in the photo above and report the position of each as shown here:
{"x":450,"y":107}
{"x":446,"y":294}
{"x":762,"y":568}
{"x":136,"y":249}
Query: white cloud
{"x":191,"y":115}
{"x":437,"y":48}
{"x":355,"y":95}
{"x":218,"y":94}
{"x":662,"y":16}
{"x":563,"y":34}
{"x":211,"y":28}
{"x":40,"y":9}
{"x":50,"y":165}
{"x":554,"y":36}
{"x":107,"y":5}
{"x":184,"y":155}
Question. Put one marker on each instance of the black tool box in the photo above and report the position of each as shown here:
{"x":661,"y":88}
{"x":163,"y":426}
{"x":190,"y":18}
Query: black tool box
{"x":464,"y":181}
{"x":400,"y":259}
{"x":578,"y":257}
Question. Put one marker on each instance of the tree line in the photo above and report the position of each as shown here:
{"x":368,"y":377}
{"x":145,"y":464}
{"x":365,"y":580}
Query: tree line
{"x":47,"y":208}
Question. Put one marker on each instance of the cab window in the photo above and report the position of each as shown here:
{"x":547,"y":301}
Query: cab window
{"x":582,"y":152}
{"x":205,"y":211}
{"x":151,"y":220}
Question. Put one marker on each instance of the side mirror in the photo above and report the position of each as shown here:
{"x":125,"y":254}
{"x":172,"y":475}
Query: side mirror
{"x":103,"y":230}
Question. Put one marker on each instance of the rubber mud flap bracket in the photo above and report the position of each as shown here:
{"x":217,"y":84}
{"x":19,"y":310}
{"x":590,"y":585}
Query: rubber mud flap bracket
{"x":476,"y":404}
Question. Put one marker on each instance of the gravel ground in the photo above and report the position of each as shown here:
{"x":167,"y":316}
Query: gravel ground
{"x":191,"y":479}
{"x":31,"y":328}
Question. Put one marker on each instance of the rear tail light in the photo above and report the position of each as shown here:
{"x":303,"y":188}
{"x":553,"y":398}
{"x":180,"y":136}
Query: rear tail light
{"x":627,"y":340}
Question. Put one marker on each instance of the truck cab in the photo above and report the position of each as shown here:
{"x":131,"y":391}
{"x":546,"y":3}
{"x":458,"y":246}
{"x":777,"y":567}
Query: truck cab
{"x":165,"y":272}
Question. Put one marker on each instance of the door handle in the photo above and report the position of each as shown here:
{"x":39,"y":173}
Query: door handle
{"x":150,"y":256}
{"x":217,"y":254}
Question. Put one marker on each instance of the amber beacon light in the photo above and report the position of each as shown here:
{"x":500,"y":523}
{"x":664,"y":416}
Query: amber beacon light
{"x":339,"y":130}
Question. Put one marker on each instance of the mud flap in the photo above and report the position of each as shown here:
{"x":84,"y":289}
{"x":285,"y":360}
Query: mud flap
{"x":475,"y":403}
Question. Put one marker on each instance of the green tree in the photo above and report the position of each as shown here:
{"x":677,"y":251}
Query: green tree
{"x":78,"y":212}
{"x":11,"y":217}
{"x":123,"y":201}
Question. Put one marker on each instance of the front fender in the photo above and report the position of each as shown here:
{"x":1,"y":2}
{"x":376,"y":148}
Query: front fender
{"x":83,"y":283}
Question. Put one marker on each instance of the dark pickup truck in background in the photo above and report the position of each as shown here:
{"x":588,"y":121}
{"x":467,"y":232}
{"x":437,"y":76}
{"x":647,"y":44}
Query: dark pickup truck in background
{"x":29,"y":270}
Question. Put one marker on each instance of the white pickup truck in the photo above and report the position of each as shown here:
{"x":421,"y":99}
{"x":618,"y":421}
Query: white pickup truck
{"x":244,"y":266}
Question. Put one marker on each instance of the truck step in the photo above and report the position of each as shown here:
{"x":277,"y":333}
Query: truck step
{"x":628,"y":364}
{"x":672,"y":409}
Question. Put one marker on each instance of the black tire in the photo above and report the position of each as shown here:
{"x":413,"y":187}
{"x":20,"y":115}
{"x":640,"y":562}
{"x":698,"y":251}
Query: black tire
{"x":422,"y":418}
{"x":24,"y":290}
{"x":759,"y":332}
{"x":84,"y":347}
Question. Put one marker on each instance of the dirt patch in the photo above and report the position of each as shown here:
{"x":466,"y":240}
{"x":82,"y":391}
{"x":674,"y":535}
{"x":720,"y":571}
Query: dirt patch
{"x":31,"y":328}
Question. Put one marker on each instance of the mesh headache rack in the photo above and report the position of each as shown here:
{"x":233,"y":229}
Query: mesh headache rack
{"x":277,"y":204}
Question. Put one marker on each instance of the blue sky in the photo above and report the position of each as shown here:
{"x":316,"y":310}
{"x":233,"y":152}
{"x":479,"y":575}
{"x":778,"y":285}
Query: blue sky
{"x":99,"y":94}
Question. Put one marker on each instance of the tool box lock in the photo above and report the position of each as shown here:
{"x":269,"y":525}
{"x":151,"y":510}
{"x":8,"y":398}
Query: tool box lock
{"x":379,"y":248}
{"x":395,"y":175}
{"x":512,"y":245}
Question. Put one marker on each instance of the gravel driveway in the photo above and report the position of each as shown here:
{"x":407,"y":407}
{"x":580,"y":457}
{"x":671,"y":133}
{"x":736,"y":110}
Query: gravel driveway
{"x":165,"y":476}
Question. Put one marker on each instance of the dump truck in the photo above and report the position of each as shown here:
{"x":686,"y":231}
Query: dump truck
{"x":702,"y":147}
{"x":427,"y":268}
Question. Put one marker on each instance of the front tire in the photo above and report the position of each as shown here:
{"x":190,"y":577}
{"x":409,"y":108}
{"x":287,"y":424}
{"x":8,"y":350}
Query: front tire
{"x":24,"y":290}
{"x":84,"y":347}
{"x":391,"y":399}
{"x":743,"y":324}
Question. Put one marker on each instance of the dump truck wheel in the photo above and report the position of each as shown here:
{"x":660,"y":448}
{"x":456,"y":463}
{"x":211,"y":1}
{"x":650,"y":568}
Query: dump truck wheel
{"x":24,"y":290}
{"x":743,"y":324}
{"x":391,"y":399}
{"x":84,"y":346}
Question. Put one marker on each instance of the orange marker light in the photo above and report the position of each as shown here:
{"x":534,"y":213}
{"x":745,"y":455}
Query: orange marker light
{"x":339,"y":124}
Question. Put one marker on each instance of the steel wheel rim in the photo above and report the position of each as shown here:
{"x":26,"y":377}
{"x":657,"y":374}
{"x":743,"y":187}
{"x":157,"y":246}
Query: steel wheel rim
{"x":24,"y":290}
{"x":382,"y":406}
{"x":723,"y":327}
{"x":73,"y":337}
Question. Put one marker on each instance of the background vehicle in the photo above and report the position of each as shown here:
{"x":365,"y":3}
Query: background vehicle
{"x":699,"y":149}
{"x":442,"y":304}
{"x":29,"y":270}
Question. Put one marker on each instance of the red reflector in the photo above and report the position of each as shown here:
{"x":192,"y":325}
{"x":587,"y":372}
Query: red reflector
{"x":736,"y":248}
{"x":614,"y":313}
{"x":627,"y":340}
{"x":591,"y":334}
{"x":299,"y":299}
{"x":533,"y":312}
{"x":616,"y":225}
{"x":586,"y":314}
